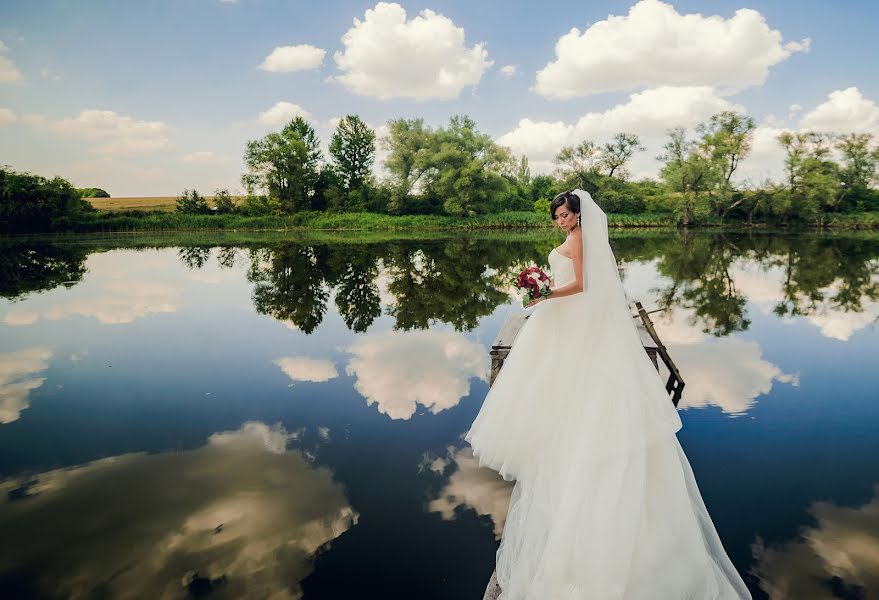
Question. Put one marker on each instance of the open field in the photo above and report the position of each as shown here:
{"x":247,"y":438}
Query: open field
{"x":146,"y":203}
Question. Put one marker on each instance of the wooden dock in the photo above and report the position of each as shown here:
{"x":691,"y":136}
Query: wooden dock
{"x":654,"y":347}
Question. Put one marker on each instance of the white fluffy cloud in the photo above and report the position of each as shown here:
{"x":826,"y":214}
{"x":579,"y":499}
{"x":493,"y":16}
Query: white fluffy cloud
{"x":19,"y":375}
{"x":282,"y":112}
{"x":285,"y":59}
{"x":7,"y":116}
{"x":398,"y":370}
{"x":649,"y":114}
{"x":115,"y":134}
{"x":302,"y":368}
{"x":509,"y":70}
{"x":654,"y":45}
{"x":387,"y":56}
{"x":844,"y":111}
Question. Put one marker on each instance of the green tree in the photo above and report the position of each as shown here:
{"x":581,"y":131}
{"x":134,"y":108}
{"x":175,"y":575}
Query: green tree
{"x":688,"y":172}
{"x":33,"y":203}
{"x":93,"y":193}
{"x":579,"y":166}
{"x":286,"y":165}
{"x":463,"y":168}
{"x":191,"y":202}
{"x":405,"y":141}
{"x":726,"y":138}
{"x":353,"y":150}
{"x":223,"y":202}
{"x":859,"y":170}
{"x":615,"y":154}
{"x":812,"y":179}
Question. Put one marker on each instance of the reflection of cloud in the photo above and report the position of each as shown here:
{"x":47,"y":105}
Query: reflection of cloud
{"x":21,"y":317}
{"x":843,"y":544}
{"x":238,"y":508}
{"x":481,"y":489}
{"x":383,"y":283}
{"x":122,"y":302}
{"x":301,"y":368}
{"x":18,"y":377}
{"x":396,"y":370}
{"x":729,"y":372}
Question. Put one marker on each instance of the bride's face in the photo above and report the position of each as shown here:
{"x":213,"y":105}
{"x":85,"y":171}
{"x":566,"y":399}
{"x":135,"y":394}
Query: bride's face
{"x":565,"y":218}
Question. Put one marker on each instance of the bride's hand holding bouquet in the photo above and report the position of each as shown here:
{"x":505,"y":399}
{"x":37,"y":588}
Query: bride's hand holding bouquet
{"x":536,"y":285}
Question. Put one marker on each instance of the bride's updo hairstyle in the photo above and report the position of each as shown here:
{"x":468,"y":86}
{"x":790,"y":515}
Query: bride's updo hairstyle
{"x":568,"y":198}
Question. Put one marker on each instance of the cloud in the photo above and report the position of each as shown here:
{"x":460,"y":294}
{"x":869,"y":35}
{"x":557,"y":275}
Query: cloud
{"x":480,"y":489}
{"x":398,"y":370}
{"x":285,"y":59}
{"x":8,"y":72}
{"x":115,"y":134}
{"x":19,"y":375}
{"x":654,"y":45}
{"x":842,"y":545}
{"x":7,"y":117}
{"x":302,"y":368}
{"x":509,"y":70}
{"x":241,"y":510}
{"x":649,"y":114}
{"x":283,"y":112}
{"x":844,"y":111}
{"x":200,"y":157}
{"x":387,"y":56}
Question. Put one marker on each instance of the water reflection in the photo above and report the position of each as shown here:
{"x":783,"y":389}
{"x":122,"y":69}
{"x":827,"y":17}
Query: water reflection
{"x":20,"y":373}
{"x":470,"y":487}
{"x":34,"y":267}
{"x":837,"y":557}
{"x":303,"y":368}
{"x":398,"y":370}
{"x":241,"y":515}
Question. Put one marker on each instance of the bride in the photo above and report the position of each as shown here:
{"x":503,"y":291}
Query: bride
{"x":605,"y":504}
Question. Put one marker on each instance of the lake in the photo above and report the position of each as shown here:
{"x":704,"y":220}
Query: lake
{"x":281,"y":416}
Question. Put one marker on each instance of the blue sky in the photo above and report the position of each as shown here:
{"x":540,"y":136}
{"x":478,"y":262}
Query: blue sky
{"x":146,"y":98}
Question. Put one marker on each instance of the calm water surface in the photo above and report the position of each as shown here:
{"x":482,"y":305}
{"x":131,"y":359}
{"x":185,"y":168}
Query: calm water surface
{"x":282,"y":418}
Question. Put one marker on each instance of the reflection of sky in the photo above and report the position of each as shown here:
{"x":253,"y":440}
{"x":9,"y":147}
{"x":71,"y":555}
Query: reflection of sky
{"x":842,"y":544}
{"x":240,"y":508}
{"x":372,"y":407}
{"x":19,"y":374}
{"x":398,"y":370}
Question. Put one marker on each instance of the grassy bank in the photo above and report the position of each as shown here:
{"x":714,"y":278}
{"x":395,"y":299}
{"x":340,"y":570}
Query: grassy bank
{"x":173,"y":221}
{"x":157,"y":215}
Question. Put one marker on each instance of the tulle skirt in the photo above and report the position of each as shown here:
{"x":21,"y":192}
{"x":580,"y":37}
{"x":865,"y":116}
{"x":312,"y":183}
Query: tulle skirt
{"x":605,"y":503}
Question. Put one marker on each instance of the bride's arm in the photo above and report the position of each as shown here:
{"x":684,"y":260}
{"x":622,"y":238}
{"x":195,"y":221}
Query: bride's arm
{"x":576,"y":286}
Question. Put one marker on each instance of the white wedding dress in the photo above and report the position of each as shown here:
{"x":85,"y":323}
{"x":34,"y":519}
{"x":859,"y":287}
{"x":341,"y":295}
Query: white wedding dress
{"x":605,"y":504}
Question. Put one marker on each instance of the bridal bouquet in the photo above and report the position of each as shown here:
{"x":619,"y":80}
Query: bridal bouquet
{"x":535,"y":283}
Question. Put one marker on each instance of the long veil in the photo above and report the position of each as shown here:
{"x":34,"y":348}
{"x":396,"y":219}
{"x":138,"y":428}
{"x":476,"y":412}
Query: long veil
{"x":605,"y":503}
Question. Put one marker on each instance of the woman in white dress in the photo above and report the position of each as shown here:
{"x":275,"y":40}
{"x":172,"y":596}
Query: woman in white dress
{"x":605,"y":504}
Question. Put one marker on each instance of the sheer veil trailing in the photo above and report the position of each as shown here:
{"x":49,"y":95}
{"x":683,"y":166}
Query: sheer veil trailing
{"x":605,"y":503}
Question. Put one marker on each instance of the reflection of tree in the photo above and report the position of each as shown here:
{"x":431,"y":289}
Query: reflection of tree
{"x":822,"y":273}
{"x":699,"y":267}
{"x":226,"y":256}
{"x":449,"y":282}
{"x":289,"y":285}
{"x":194,"y":257}
{"x":357,"y":296}
{"x":39,"y":267}
{"x":453,"y":281}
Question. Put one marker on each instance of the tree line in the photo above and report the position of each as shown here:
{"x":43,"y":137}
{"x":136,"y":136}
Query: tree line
{"x":457,"y":170}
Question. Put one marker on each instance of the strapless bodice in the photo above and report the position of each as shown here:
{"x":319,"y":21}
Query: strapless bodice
{"x":562,"y":267}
